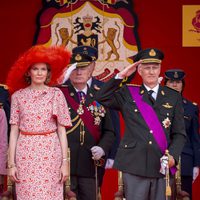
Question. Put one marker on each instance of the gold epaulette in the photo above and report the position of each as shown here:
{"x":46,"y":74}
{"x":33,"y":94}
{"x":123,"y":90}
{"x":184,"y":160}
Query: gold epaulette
{"x":4,"y":86}
{"x":194,"y":103}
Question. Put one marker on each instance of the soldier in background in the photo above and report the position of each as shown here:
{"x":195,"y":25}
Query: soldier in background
{"x":190,"y":156}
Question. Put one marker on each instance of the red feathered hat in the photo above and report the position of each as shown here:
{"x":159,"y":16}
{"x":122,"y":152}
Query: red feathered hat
{"x":56,"y":56}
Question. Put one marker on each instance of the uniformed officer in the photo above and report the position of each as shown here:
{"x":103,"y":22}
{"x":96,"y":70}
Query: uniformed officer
{"x":92,"y":135}
{"x":190,"y":156}
{"x":153,"y":117}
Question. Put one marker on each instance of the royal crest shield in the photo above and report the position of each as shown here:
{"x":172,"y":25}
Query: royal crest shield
{"x":109,"y":26}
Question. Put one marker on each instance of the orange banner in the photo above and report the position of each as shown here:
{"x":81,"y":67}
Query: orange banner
{"x":191,"y":26}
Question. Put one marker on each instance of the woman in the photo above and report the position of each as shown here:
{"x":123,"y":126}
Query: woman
{"x":37,"y":159}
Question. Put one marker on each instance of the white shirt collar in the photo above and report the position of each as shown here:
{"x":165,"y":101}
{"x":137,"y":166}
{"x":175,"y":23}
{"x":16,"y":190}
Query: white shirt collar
{"x":89,"y":82}
{"x":155,"y":89}
{"x":83,"y":90}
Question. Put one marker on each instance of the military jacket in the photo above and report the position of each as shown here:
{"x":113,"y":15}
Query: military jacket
{"x":82,"y":163}
{"x":138,"y":152}
{"x":190,"y":156}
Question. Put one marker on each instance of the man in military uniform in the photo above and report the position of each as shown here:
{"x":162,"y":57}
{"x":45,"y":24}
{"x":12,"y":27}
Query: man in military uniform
{"x":190,"y":156}
{"x":91,"y":136}
{"x":153,"y":117}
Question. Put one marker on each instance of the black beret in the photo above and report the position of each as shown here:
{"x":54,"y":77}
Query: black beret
{"x":150,"y":55}
{"x":175,"y":74}
{"x":83,"y":55}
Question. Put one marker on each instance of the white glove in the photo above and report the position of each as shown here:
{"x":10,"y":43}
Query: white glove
{"x":97,"y":152}
{"x":109,"y":163}
{"x":195,"y":173}
{"x":163,"y":164}
{"x":66,"y":73}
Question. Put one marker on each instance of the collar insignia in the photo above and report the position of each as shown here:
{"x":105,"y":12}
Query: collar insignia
{"x":96,"y":87}
{"x":142,"y":92}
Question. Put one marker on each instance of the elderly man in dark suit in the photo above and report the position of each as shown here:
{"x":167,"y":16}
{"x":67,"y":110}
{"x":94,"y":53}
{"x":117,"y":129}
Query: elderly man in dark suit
{"x":92,"y":135}
{"x":154,"y":123}
{"x":190,"y":156}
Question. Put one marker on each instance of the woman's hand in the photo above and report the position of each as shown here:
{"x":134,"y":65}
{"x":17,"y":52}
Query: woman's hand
{"x":13,"y":174}
{"x":64,"y":172}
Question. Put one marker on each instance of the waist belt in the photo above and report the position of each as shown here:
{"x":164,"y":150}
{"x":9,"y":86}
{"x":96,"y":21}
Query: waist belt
{"x":37,"y":133}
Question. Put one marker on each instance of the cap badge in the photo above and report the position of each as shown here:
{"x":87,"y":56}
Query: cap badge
{"x":78,"y":57}
{"x":175,"y":74}
{"x":152,"y":52}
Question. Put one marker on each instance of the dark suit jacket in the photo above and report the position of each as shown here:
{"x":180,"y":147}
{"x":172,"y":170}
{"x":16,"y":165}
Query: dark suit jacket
{"x":190,"y":156}
{"x":82,"y":163}
{"x":138,"y":152}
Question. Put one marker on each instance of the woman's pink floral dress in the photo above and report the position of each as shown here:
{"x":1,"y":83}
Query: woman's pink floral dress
{"x":39,"y":156}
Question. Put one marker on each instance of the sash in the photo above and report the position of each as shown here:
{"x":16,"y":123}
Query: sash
{"x":151,"y":120}
{"x":86,"y":116}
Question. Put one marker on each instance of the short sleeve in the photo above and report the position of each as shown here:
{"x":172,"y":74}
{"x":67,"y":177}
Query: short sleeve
{"x":15,"y":111}
{"x":60,"y":109}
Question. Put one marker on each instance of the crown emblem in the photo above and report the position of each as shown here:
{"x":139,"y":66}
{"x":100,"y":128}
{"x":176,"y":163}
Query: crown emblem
{"x":78,"y":57}
{"x":152,"y":52}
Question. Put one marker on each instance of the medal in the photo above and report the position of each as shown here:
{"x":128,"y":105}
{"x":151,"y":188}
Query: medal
{"x":80,"y":110}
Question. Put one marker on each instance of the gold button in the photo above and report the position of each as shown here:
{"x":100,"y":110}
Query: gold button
{"x":136,"y":110}
{"x":125,"y":145}
{"x":151,"y":131}
{"x":150,"y":142}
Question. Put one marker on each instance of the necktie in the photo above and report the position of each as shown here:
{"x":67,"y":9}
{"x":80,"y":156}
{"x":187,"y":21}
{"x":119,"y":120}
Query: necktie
{"x":81,"y":96}
{"x":152,"y":100}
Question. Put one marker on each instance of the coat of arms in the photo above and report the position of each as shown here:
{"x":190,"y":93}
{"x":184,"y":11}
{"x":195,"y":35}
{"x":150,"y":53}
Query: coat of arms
{"x":109,"y":26}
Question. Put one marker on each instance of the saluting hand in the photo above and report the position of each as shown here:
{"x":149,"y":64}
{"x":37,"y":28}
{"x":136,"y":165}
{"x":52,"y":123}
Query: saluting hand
{"x":127,"y":71}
